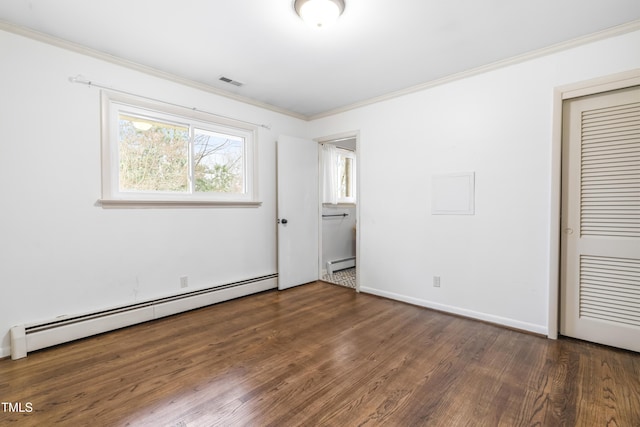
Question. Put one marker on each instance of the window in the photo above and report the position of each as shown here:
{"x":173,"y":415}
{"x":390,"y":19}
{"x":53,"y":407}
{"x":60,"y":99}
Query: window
{"x":346,"y":176}
{"x":162,"y":154}
{"x":339,"y":169}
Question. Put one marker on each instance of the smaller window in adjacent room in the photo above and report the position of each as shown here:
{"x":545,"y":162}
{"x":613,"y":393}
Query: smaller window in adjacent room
{"x":339,"y":175}
{"x":156,"y":153}
{"x":346,"y":176}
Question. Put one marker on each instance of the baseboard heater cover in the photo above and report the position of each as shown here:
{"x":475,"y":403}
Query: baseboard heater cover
{"x":340,"y":264}
{"x":26,"y":338}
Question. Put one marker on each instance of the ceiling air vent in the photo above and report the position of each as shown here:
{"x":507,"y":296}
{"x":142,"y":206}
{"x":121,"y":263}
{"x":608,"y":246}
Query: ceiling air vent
{"x":231,"y":81}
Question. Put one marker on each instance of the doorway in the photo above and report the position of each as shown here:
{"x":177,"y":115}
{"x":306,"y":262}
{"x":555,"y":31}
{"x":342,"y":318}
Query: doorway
{"x":302,"y":256}
{"x":338,"y":219}
{"x":600,"y":242}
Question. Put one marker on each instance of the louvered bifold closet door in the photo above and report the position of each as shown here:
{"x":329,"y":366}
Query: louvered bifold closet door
{"x":610,"y":185}
{"x":601,"y":219}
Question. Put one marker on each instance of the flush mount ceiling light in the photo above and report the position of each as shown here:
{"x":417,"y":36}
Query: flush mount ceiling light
{"x":319,"y":13}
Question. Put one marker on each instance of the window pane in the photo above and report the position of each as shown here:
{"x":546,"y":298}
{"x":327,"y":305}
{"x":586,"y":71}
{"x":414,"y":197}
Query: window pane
{"x":154,"y":156}
{"x":158,"y":154}
{"x":218,"y":162}
{"x":344,"y":173}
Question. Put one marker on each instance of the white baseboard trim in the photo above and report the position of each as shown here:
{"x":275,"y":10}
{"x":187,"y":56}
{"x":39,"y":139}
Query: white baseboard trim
{"x":498,"y":320}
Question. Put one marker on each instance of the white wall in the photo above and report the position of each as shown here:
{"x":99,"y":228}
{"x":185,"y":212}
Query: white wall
{"x":494,"y":265}
{"x":62,"y":254}
{"x":338,"y":237}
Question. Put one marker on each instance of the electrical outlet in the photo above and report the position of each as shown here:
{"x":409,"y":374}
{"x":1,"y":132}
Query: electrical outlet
{"x":184,"y":281}
{"x":436,"y":281}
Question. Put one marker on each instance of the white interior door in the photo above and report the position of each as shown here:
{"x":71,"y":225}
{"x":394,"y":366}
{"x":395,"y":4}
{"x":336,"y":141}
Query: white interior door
{"x":298,"y":211}
{"x":601,"y":219}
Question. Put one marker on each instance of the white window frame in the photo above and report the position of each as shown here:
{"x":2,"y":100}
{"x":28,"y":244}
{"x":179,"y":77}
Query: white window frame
{"x":348,"y":154}
{"x":114,"y":103}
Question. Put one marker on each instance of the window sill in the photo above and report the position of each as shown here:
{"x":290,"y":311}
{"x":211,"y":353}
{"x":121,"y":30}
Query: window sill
{"x":111,"y":203}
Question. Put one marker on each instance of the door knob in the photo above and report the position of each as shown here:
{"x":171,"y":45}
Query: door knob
{"x":283,"y":221}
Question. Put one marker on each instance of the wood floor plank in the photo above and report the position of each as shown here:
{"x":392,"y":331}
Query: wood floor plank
{"x":322,"y":355}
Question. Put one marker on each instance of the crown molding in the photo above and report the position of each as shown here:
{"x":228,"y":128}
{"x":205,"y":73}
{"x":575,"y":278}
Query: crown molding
{"x":83,"y":50}
{"x":559,"y":47}
{"x":65,"y":44}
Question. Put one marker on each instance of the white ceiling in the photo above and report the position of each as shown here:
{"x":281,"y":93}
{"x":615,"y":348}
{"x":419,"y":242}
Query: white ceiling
{"x":377,"y":47}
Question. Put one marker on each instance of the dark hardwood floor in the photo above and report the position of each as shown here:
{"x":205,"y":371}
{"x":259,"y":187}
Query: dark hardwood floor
{"x":322,"y":355}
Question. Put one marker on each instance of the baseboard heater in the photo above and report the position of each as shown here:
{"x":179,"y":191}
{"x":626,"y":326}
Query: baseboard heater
{"x":26,"y":338}
{"x":340,"y":264}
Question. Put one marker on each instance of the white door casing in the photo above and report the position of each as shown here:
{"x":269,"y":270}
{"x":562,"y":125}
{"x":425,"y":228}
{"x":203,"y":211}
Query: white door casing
{"x":600,"y":259}
{"x":298,"y":211}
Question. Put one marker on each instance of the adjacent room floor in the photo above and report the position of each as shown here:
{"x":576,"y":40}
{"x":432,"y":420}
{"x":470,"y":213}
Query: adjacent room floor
{"x":345,"y":277}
